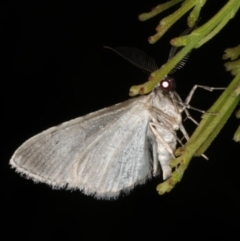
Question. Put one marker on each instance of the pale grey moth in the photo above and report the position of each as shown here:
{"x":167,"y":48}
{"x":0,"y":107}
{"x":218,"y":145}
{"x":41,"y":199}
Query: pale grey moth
{"x":110,"y":150}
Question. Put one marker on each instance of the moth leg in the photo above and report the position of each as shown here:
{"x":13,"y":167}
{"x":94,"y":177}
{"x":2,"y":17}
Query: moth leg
{"x":190,"y":95}
{"x":184,"y":132}
{"x":188,"y":116}
{"x":155,"y":166}
{"x":188,"y":99}
{"x":185,"y":108}
{"x":152,"y":126}
{"x":186,"y":105}
{"x":181,"y":127}
{"x":166,"y":169}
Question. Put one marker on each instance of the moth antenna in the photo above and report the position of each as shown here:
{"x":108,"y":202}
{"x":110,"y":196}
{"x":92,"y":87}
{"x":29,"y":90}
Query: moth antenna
{"x":136,"y":57}
{"x":174,"y":50}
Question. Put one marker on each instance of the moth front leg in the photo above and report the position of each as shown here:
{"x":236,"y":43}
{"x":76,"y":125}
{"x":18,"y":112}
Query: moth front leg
{"x":154,"y":148}
{"x":164,"y":150}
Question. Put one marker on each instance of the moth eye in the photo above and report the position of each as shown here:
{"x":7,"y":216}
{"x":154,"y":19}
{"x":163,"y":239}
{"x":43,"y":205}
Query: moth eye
{"x":168,"y":84}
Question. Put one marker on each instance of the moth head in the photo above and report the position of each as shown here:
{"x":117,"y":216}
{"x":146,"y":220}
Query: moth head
{"x":167,"y":84}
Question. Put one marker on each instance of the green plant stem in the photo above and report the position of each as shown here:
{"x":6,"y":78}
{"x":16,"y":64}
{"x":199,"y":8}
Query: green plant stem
{"x":197,"y":37}
{"x":158,"y":9}
{"x":212,"y":123}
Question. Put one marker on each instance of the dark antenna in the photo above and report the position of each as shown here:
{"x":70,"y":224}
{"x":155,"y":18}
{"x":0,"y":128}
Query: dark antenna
{"x":136,"y":57}
{"x":146,"y":63}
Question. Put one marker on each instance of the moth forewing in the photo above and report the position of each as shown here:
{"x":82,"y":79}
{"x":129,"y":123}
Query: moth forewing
{"x":101,"y":154}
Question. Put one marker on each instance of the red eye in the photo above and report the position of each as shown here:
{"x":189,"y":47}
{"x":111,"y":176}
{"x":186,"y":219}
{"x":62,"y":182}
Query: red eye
{"x":168,"y":84}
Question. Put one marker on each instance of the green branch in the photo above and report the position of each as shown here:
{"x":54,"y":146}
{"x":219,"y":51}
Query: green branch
{"x":194,"y":40}
{"x":158,"y":9}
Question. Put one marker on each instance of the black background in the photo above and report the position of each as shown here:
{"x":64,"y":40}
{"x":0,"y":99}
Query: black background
{"x":55,"y":68}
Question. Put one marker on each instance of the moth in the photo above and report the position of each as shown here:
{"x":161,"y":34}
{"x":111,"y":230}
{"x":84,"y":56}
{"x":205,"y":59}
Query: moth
{"x":108,"y":151}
